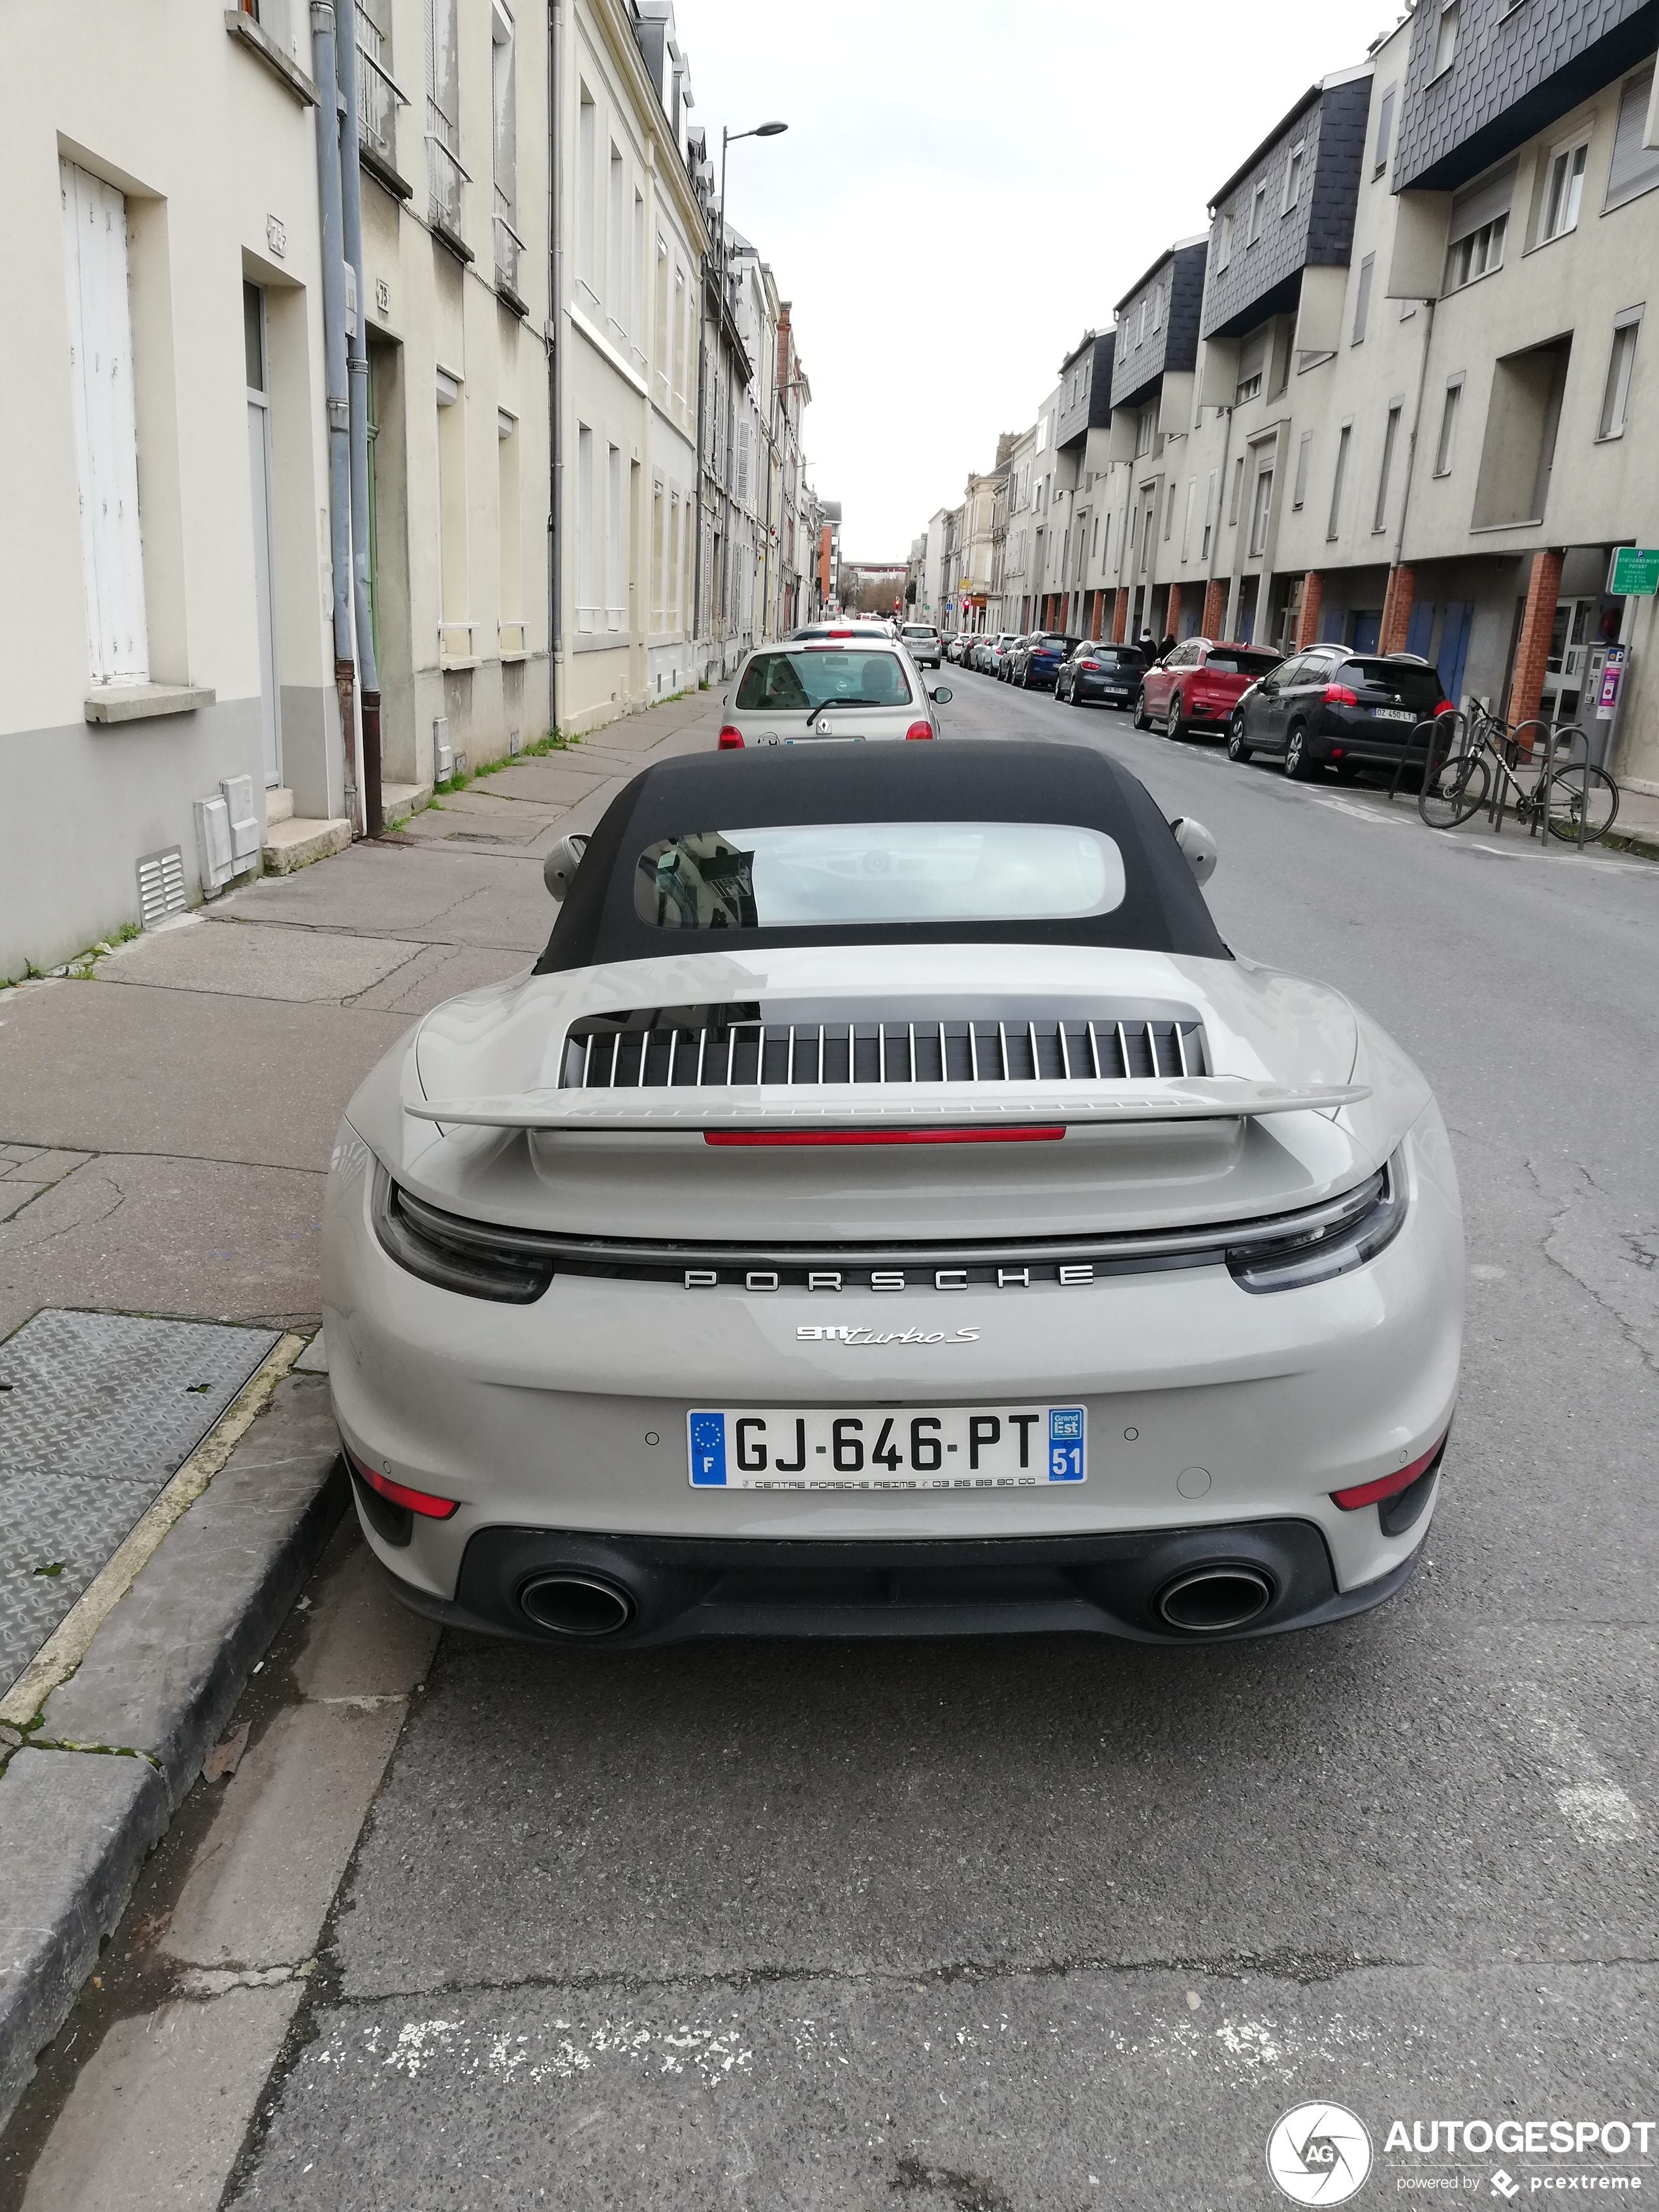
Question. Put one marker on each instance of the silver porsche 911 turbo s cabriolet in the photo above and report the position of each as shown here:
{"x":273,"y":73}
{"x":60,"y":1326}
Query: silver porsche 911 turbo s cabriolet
{"x":888,"y":1207}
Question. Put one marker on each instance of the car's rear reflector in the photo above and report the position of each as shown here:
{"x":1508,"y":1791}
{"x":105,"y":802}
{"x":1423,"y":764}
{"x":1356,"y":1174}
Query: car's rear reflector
{"x":731,"y":740}
{"x":1386,"y":1485}
{"x":399,"y":1493}
{"x":920,"y":730}
{"x":1018,"y":1136}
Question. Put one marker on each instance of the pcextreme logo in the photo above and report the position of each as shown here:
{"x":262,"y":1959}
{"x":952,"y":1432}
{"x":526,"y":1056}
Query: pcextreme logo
{"x":1319,"y":2155}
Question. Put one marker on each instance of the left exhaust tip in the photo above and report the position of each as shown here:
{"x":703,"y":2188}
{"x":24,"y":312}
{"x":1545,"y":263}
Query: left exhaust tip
{"x":581,"y":1606}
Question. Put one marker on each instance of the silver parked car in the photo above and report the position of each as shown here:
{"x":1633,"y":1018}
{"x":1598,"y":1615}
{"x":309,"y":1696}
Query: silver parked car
{"x":922,"y":641}
{"x":835,"y":687}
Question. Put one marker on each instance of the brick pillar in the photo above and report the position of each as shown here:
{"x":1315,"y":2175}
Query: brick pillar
{"x":1532,"y":652}
{"x":1120,"y":615}
{"x":1397,"y":609}
{"x":1215,"y":607}
{"x":1313,"y":598}
{"x":1172,"y":613}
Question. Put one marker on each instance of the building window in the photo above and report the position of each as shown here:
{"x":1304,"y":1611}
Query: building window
{"x":1209,"y":516}
{"x":454,"y":630}
{"x":105,"y":426}
{"x":1303,"y":456}
{"x":1380,"y":518}
{"x":586,"y":589}
{"x":1384,"y":134}
{"x":1333,"y":528}
{"x":1445,"y":42}
{"x":1615,"y":400}
{"x":1157,"y":308}
{"x":443,"y":108}
{"x":1293,"y":177}
{"x":1223,"y":253}
{"x":587,"y":138}
{"x":376,"y":94}
{"x":616,"y":284}
{"x":510,"y":624}
{"x":1362,"y":305}
{"x":1169,"y":515}
{"x":1252,"y":367}
{"x":1146,"y":317}
{"x":1238,"y":493}
{"x":1478,"y":255}
{"x":1257,"y":208}
{"x":504,"y":103}
{"x":1260,"y":506}
{"x":1564,"y":188}
{"x":1143,"y":432}
{"x":1446,"y":444}
{"x":1187,"y":519}
{"x":680,"y":319}
{"x":1635,"y":166}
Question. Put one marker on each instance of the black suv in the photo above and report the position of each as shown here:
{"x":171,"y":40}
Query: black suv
{"x":1329,"y":707}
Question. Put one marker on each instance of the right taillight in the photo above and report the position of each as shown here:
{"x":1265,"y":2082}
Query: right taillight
{"x":1444,"y":707}
{"x":731,"y":740}
{"x":920,"y":730}
{"x":1338,"y":695}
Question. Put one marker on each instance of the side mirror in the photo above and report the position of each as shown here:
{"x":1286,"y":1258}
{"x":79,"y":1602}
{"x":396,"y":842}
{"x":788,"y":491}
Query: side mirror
{"x":559,"y":868}
{"x":942,"y":697}
{"x":1269,"y":689}
{"x":1196,"y":843}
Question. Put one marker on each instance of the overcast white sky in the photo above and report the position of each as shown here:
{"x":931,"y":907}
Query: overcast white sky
{"x":967,"y":186}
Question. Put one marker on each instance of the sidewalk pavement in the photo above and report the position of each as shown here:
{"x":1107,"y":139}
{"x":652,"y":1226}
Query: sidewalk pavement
{"x":165,"y":1129}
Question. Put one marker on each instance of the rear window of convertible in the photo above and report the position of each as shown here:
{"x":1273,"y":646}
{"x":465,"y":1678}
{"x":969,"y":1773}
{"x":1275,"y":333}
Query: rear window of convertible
{"x":806,"y":875}
{"x":810,"y":677}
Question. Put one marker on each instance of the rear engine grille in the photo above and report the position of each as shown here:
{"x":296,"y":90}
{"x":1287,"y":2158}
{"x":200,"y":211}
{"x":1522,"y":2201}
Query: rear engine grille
{"x":727,"y":1046}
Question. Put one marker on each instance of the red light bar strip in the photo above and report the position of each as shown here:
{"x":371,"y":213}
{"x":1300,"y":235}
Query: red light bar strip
{"x":1014,"y":1136}
{"x":399,"y":1493}
{"x":1386,"y":1485}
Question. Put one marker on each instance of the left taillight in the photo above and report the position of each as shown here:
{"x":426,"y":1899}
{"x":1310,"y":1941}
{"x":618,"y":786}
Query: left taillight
{"x":1338,"y":695}
{"x":920,"y":730}
{"x":475,"y":1258}
{"x":731,"y":739}
{"x":400,"y":1494}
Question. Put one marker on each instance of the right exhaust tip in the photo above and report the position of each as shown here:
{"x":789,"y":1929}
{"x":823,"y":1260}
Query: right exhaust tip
{"x":584,"y":1606}
{"x":1209,"y":1600}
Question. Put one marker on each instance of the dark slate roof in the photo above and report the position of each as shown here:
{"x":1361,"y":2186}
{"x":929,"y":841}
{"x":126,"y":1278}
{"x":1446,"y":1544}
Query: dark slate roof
{"x":1136,"y":368}
{"x":1265,"y":279}
{"x":1517,"y":69}
{"x":1093,"y":407}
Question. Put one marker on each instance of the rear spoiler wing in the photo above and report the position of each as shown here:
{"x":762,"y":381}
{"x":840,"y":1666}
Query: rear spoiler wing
{"x":851,"y":1105}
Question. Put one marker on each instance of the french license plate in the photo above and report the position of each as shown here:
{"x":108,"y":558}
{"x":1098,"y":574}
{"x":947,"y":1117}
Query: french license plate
{"x":1393,"y":714}
{"x":838,"y":1448}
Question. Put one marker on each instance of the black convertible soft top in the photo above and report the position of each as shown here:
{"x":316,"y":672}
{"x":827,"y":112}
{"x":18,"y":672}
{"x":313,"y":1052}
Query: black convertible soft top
{"x":992,"y":780}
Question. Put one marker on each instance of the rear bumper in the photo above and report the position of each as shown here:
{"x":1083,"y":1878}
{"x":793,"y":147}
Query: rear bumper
{"x":680,"y":1589}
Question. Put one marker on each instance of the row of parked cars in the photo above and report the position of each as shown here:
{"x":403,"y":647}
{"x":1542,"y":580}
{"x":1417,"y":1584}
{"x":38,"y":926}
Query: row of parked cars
{"x":1325,"y":708}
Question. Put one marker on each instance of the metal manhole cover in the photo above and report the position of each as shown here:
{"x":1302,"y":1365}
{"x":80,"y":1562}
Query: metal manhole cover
{"x":97,"y":1411}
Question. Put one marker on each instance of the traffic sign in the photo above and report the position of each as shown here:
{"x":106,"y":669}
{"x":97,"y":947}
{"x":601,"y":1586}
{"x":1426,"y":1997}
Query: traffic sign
{"x":1635,"y":571}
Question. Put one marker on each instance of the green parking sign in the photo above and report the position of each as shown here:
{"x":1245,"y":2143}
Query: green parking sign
{"x":1635,"y":571}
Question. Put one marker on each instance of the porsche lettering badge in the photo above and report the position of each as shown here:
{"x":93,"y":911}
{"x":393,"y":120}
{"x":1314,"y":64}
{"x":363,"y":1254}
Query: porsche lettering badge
{"x":761,"y":1280}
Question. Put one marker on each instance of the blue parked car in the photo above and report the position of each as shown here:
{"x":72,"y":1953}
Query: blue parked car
{"x":1042,"y":659}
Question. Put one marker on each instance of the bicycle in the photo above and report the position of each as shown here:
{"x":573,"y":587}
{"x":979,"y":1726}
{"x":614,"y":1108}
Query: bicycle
{"x":1575,"y":802}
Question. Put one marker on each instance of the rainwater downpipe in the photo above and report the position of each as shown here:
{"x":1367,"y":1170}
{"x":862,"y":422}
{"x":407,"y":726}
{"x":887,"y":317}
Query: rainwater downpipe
{"x":351,"y":205}
{"x":1411,"y":445}
{"x":339,"y":405}
{"x":555,"y":368}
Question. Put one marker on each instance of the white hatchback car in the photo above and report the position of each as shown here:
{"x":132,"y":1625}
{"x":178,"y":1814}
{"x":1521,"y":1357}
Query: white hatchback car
{"x":888,"y":1207}
{"x":828,"y":688}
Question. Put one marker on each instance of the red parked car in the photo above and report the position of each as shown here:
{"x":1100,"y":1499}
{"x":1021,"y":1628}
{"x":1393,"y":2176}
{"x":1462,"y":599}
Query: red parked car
{"x":1199,"y":685}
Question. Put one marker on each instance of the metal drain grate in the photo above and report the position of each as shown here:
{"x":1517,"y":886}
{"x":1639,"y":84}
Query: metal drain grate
{"x":97,"y":1411}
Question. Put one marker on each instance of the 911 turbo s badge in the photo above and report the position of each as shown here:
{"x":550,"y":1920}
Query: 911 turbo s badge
{"x":862,"y":1336}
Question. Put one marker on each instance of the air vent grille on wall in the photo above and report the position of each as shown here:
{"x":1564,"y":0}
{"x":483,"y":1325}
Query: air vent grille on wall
{"x":162,"y":886}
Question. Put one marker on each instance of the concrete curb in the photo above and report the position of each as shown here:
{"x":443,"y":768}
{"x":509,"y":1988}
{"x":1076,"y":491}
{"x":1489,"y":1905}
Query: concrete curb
{"x":159,"y":1680}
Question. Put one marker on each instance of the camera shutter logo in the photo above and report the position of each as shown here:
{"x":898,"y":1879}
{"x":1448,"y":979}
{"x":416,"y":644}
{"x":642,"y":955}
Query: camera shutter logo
{"x":1319,"y":2155}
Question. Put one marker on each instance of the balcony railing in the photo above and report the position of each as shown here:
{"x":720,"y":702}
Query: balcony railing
{"x":508,"y":246}
{"x":445,"y":175}
{"x":379,"y":95}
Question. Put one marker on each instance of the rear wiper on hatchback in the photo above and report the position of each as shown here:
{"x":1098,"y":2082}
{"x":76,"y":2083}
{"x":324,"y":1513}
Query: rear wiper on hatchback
{"x":814,"y":712}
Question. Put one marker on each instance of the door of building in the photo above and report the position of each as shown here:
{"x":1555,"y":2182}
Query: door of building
{"x":1571,"y":636}
{"x":258,"y":455}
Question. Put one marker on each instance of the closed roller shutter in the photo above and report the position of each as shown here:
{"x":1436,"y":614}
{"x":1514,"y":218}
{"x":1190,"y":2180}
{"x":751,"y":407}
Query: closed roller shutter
{"x":1635,"y":167}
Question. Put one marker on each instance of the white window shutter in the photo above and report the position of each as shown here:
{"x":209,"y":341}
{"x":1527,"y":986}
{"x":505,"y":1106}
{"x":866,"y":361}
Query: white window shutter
{"x":105,"y":426}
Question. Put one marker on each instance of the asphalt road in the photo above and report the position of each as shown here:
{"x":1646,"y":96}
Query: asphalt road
{"x":1026,"y":1926}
